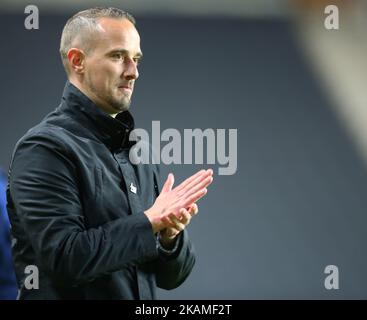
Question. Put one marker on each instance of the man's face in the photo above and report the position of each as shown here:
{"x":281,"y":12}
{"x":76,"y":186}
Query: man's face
{"x":111,"y":65}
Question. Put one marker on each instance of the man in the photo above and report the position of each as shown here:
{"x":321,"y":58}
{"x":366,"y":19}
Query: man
{"x":94,"y":224}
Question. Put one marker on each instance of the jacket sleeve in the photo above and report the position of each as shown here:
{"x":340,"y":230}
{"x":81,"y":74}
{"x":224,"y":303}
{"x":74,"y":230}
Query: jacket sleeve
{"x":172,"y":269}
{"x":44,"y":192}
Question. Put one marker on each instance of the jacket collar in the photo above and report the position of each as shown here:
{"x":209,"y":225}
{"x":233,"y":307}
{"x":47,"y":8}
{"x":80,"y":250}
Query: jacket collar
{"x":114,"y":132}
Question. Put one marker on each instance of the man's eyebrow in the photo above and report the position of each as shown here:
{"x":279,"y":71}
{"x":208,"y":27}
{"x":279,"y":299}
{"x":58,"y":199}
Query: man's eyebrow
{"x":124,"y":51}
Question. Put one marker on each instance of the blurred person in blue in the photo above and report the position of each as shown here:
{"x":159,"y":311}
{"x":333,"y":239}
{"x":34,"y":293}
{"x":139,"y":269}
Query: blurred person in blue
{"x":8,"y":286}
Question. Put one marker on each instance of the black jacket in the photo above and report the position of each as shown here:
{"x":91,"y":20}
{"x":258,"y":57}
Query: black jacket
{"x":74,"y":216}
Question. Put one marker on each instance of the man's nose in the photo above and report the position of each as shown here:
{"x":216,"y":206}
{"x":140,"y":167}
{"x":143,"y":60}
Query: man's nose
{"x":131,"y":69}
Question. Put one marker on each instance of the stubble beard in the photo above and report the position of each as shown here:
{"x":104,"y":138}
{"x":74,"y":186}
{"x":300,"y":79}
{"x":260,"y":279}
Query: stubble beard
{"x":118,"y":105}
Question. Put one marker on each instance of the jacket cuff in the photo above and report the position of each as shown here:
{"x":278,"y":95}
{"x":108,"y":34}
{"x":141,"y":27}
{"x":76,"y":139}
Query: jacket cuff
{"x":146,"y":236}
{"x":169,"y":253}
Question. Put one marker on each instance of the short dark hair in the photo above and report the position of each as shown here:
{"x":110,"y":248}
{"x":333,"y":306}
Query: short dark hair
{"x":83,"y":24}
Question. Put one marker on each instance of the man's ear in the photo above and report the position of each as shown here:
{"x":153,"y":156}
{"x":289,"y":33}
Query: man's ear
{"x":76,"y":59}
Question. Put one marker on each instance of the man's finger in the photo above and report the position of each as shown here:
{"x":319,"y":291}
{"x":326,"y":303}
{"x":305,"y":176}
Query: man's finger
{"x":193,"y":209}
{"x":197,"y":181}
{"x":185,"y":217}
{"x":170,"y":232}
{"x":169,"y":183}
{"x":203,"y":184}
{"x":194,"y":197}
{"x":168,"y":222}
{"x":178,"y":224}
{"x":190,"y":179}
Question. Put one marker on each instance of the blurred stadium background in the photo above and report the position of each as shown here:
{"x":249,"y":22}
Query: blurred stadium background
{"x":295,"y":91}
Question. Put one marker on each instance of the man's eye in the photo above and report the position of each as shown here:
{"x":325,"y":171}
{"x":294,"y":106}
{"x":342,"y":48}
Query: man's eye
{"x":117,"y":56}
{"x":137,"y":61}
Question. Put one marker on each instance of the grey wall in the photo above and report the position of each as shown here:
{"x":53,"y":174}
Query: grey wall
{"x":297,"y":202}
